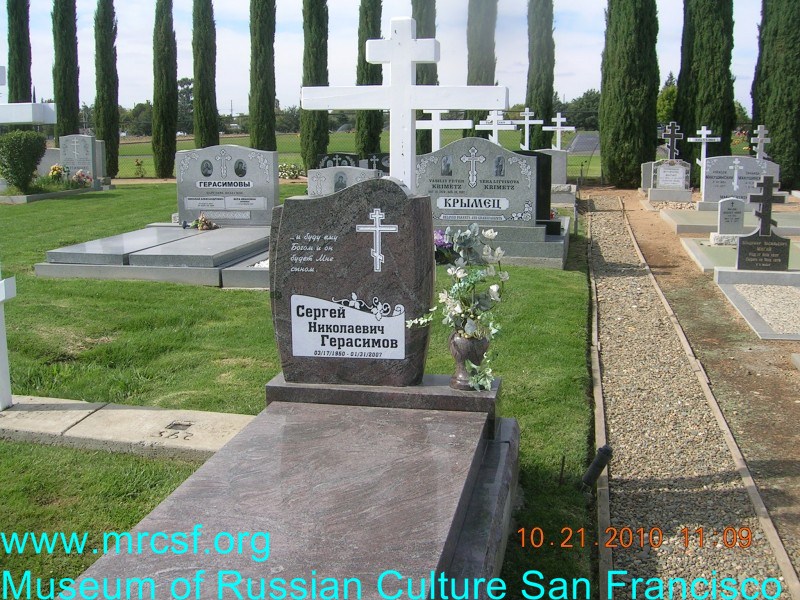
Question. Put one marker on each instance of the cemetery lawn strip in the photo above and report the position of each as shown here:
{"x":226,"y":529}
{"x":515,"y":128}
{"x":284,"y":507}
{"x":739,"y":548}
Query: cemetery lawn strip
{"x":174,"y":346}
{"x":52,"y":489}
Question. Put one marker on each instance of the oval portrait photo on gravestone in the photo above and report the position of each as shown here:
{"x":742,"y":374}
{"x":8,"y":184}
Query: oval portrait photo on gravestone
{"x":240,"y":168}
{"x":206,"y":168}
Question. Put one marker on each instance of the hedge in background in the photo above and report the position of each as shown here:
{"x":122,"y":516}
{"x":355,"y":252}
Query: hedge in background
{"x":20,"y":153}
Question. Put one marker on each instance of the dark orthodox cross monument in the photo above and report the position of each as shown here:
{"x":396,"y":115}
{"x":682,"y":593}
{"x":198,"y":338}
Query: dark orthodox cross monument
{"x":671,"y":136}
{"x":764,"y":250}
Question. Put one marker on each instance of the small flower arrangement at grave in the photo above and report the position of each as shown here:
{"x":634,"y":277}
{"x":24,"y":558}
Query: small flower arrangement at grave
{"x":290,"y":171}
{"x":56,"y":173}
{"x":477,"y":287}
{"x":82,"y":178}
{"x":445,"y":255}
{"x":202,"y":223}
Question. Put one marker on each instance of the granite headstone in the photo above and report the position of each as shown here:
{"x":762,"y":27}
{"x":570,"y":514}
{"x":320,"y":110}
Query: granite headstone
{"x":337,"y":159}
{"x":647,"y":175}
{"x":347,"y":271}
{"x":78,"y":153}
{"x":232,"y":185}
{"x":375,"y":160}
{"x":764,"y":250}
{"x":323,"y":182}
{"x":734,"y":177}
{"x":671,"y":174}
{"x":730,"y":222}
{"x":558,"y":169}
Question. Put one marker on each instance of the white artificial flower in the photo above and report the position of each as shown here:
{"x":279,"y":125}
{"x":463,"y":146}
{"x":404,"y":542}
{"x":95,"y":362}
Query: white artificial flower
{"x":490,"y":272}
{"x":461,"y":273}
{"x":443,"y":297}
{"x":498,"y":254}
{"x":487,"y":250}
{"x":451,"y":271}
{"x":503,"y":275}
{"x":494,"y":292}
{"x":490,"y":234}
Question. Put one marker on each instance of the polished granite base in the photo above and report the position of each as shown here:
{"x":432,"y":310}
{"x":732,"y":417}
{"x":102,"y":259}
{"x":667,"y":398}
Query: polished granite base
{"x":344,"y":492}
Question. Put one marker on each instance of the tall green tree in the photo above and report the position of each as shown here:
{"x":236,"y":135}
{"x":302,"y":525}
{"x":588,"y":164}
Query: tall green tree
{"x":65,"y":67}
{"x":19,"y":51}
{"x":314,"y":134}
{"x":165,"y":90}
{"x":629,"y":89}
{"x":665,"y":106}
{"x":106,"y":104}
{"x":369,"y":123}
{"x":541,"y":67}
{"x":186,"y":105}
{"x":705,"y":83}
{"x":262,"y":75}
{"x":204,"y":52}
{"x":424,"y":13}
{"x":776,"y":86}
{"x":481,"y":61}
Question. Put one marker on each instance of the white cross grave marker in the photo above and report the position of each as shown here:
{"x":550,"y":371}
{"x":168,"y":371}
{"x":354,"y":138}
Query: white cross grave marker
{"x":436,"y":124}
{"x":760,"y":141}
{"x":526,"y":125}
{"x":558,"y":128}
{"x":402,"y":51}
{"x":495,"y":123}
{"x":8,"y":289}
{"x":704,"y":139}
{"x":376,"y":229}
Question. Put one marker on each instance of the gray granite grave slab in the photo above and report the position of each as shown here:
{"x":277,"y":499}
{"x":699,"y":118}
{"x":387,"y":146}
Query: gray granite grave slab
{"x":758,"y":252}
{"x":558,"y":165}
{"x":244,"y":275}
{"x":211,"y":249}
{"x":691,"y":221}
{"x":116,"y":249}
{"x":323,"y":182}
{"x":100,"y":161}
{"x":78,"y":153}
{"x":733,"y":177}
{"x":347,"y":271}
{"x":232,"y":185}
{"x":647,"y":175}
{"x":51,"y":157}
{"x":671,"y":174}
{"x":349,"y":492}
{"x":757,"y":322}
{"x":209,"y":276}
{"x":376,"y":160}
{"x":337,"y":159}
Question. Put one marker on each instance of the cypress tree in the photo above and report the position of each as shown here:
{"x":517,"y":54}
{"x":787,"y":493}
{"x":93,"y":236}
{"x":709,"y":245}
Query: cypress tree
{"x":424,"y":13}
{"x":705,"y":84}
{"x":629,"y":90}
{"x":369,"y":123}
{"x":776,"y":87}
{"x":262,"y":75}
{"x":165,"y":90}
{"x":481,"y":61}
{"x":314,"y":134}
{"x":65,"y":68}
{"x":19,"y":51}
{"x":541,"y":66}
{"x":106,"y":104}
{"x":204,"y":52}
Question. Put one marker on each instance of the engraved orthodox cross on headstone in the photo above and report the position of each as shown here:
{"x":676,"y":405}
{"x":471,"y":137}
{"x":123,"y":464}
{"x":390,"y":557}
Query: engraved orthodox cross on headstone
{"x":526,"y":125}
{"x":8,"y":289}
{"x":75,"y":143}
{"x":671,"y":136}
{"x":473,"y":169}
{"x":558,"y":128}
{"x":769,"y":196}
{"x":736,"y":167}
{"x":495,"y":123}
{"x":224,"y":158}
{"x":760,"y":141}
{"x":436,"y":124}
{"x":704,"y":140}
{"x":402,"y":51}
{"x":376,"y":229}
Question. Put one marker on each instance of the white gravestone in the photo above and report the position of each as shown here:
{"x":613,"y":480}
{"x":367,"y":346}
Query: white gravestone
{"x":496,"y":123}
{"x":733,"y":177}
{"x":704,"y":140}
{"x":730,"y":222}
{"x":8,"y":289}
{"x":559,"y":128}
{"x":670,"y":182}
{"x":402,"y":51}
{"x":78,"y":153}
{"x":436,"y":124}
{"x":526,"y":127}
{"x":324,"y":182}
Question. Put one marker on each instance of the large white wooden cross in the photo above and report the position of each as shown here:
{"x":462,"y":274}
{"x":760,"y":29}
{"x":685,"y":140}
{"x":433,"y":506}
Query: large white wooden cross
{"x":495,"y":123}
{"x":558,"y":128}
{"x":760,"y":141}
{"x":8,"y":289}
{"x":402,"y":51}
{"x":526,"y":124}
{"x":705,"y":140}
{"x":436,"y":124}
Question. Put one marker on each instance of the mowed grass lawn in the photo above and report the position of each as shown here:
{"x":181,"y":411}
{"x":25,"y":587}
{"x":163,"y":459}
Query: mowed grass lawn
{"x":158,"y":344}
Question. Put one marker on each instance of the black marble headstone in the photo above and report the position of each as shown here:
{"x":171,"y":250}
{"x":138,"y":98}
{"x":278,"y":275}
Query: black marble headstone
{"x":347,"y":271}
{"x":337,"y":159}
{"x":763,"y":253}
{"x":376,"y":160}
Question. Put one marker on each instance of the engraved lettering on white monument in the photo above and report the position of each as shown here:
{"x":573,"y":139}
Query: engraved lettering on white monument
{"x":376,"y":229}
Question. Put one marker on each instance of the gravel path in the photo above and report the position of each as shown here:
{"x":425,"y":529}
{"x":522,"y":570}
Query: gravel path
{"x":671,"y":468}
{"x":778,"y":305}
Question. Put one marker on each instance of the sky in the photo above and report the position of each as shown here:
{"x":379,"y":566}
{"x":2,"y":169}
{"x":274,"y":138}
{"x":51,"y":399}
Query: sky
{"x":578,"y":30}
